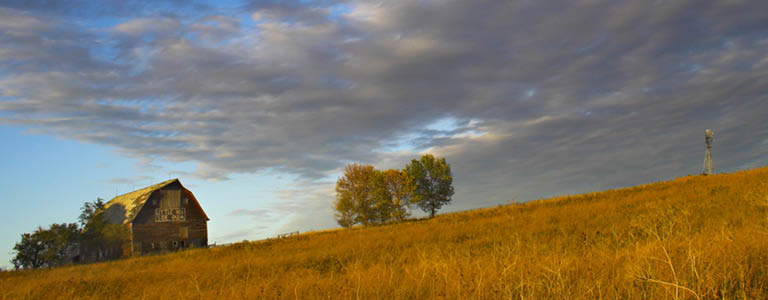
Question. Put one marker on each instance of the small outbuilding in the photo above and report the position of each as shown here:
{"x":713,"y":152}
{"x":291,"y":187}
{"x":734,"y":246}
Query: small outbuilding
{"x":161,"y":217}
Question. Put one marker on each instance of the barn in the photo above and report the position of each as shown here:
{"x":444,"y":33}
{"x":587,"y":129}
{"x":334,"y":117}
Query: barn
{"x":161,"y":217}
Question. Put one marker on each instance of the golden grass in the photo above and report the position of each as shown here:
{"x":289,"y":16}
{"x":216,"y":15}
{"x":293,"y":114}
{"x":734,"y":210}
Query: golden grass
{"x":696,"y":237}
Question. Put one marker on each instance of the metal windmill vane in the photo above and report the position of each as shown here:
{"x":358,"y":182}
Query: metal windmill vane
{"x":709,"y":137}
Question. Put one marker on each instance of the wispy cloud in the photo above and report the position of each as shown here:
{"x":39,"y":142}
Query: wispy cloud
{"x":134,"y":181}
{"x":255,"y":213}
{"x":239,"y":235}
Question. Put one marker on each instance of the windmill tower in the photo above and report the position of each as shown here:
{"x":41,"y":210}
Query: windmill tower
{"x":709,"y":137}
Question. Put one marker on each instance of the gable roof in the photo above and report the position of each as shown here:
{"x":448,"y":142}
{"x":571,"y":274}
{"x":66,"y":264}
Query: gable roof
{"x":124,"y":208}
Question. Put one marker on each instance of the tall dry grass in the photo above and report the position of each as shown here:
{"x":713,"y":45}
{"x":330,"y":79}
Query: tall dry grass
{"x":691,"y":238}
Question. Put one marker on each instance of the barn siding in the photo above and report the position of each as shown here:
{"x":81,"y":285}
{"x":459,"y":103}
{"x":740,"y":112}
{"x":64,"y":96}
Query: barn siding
{"x":146,"y":231}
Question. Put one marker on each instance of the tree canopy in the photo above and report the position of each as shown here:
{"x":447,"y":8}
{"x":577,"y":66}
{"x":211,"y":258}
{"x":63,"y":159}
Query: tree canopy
{"x":47,"y":247}
{"x":98,"y":235}
{"x":432,"y":181}
{"x":400,"y":187}
{"x":61,"y":243}
{"x":361,"y":196}
{"x":368,"y":196}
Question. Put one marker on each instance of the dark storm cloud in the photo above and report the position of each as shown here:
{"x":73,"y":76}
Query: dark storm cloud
{"x":548,"y":97}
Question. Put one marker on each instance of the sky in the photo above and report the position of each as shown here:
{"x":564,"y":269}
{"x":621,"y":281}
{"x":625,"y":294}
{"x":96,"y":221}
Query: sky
{"x":257,"y":106}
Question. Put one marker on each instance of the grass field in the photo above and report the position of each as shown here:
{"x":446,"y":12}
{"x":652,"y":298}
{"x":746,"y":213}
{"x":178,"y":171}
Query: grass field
{"x":696,"y":237}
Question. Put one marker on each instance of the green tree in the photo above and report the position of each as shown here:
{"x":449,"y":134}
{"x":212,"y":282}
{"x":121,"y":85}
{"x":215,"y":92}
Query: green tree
{"x":47,"y":247}
{"x":361,"y":197}
{"x":93,"y":224}
{"x":116,"y":238}
{"x":432,"y":181}
{"x":90,"y":213}
{"x":29,"y":252}
{"x":98,"y":235}
{"x":400,"y":187}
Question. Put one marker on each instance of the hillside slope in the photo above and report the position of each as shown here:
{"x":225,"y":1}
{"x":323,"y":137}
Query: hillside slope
{"x":696,"y":237}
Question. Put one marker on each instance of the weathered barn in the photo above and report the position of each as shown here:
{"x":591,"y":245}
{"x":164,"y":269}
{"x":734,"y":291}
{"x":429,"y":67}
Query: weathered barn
{"x":162,"y":217}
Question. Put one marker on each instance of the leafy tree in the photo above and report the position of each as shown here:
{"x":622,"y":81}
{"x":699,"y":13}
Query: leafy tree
{"x":116,"y":237}
{"x":400,"y":187}
{"x":98,"y":235}
{"x":361,"y":196}
{"x":91,"y":212}
{"x":62,"y":242}
{"x":367,"y":196}
{"x":93,"y":222}
{"x":29,"y":251}
{"x":47,"y":247}
{"x":432,"y":182}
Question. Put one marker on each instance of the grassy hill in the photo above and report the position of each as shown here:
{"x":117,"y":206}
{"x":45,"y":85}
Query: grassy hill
{"x":696,"y":237}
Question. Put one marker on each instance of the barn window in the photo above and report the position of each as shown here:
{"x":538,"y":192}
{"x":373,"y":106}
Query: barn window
{"x":186,"y":201}
{"x":170,"y":199}
{"x":170,"y":206}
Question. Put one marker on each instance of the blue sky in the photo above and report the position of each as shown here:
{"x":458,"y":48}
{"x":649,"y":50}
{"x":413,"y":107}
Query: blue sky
{"x":46,"y":180}
{"x":257,"y":106}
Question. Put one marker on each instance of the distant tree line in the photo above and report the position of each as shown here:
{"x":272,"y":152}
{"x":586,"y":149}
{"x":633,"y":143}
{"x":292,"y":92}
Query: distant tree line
{"x":63,"y":243}
{"x":368,"y":196}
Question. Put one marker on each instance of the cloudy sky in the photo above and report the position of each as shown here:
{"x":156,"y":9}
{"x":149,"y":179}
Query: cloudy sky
{"x":257,"y":106}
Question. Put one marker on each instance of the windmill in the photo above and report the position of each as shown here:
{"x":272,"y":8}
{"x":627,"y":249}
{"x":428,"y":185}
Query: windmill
{"x":709,"y":137}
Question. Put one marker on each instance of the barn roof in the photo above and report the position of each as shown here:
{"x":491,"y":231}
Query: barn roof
{"x":124,"y":208}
